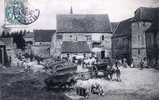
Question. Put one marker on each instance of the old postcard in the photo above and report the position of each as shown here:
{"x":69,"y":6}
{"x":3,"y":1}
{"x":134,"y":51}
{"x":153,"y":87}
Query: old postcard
{"x":79,"y":50}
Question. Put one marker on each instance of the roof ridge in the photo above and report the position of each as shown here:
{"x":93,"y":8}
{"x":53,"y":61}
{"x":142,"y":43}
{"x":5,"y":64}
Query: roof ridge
{"x":128,"y":19}
{"x":83,"y":23}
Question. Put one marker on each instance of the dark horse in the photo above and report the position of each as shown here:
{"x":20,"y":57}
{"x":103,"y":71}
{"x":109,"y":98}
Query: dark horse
{"x":103,"y":67}
{"x":108,"y":70}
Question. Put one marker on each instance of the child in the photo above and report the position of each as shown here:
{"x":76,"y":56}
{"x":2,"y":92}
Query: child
{"x":141,"y":64}
{"x":118,"y":74}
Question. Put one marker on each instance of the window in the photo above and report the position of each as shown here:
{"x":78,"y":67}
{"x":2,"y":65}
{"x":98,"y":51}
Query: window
{"x":157,"y":40}
{"x":59,"y":36}
{"x":151,"y":40}
{"x":142,"y":41}
{"x":144,"y":24}
{"x":102,"y":37}
{"x":125,"y":43}
{"x":96,"y":44}
{"x":139,"y":51}
{"x":88,"y":37}
{"x":76,"y":38}
{"x":138,"y":24}
{"x":48,"y":49}
{"x":138,"y":37}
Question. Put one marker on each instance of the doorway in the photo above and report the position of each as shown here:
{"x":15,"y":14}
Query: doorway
{"x":2,"y":55}
{"x":102,"y":54}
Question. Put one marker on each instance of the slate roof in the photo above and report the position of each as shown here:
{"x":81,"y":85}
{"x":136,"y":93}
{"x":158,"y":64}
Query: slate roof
{"x":145,"y":14}
{"x":153,"y":28}
{"x":43,"y":35}
{"x":148,"y":14}
{"x":141,"y":14}
{"x":89,"y":23}
{"x":153,"y":19}
{"x":124,"y":28}
{"x":75,"y":47}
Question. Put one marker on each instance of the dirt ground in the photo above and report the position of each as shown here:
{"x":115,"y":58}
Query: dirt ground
{"x":136,"y":84}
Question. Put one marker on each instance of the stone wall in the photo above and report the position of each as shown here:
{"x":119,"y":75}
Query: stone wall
{"x":89,"y":37}
{"x":41,"y":50}
{"x":121,"y":47}
{"x":157,"y":48}
{"x":152,"y":48}
{"x":138,"y":51}
{"x":107,"y":43}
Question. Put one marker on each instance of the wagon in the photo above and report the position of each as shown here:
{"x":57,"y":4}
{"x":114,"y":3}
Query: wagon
{"x":101,"y":69}
{"x":60,"y":81}
{"x":63,"y":76}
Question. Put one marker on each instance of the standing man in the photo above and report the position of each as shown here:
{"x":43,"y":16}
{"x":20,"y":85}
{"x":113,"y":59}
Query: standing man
{"x":141,"y":64}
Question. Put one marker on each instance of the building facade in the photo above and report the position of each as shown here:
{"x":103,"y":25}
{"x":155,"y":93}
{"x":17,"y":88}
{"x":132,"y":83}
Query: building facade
{"x":144,"y":32}
{"x":142,"y":38}
{"x":138,"y":38}
{"x":2,"y":53}
{"x":42,"y":42}
{"x":93,"y":30}
{"x":121,"y":41}
{"x":7,"y":50}
{"x":152,"y":38}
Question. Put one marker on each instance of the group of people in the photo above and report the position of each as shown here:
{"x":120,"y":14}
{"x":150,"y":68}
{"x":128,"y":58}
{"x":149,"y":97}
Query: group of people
{"x":114,"y":72}
{"x":84,"y":61}
{"x":111,"y":69}
{"x":95,"y":88}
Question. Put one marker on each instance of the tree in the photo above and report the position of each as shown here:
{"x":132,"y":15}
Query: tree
{"x":19,"y":40}
{"x":3,"y":34}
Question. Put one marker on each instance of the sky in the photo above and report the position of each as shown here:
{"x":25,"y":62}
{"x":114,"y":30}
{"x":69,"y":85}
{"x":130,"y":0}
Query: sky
{"x":117,"y":10}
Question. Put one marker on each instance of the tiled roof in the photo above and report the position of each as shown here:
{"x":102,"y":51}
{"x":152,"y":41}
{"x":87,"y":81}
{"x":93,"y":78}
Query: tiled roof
{"x":90,"y":23}
{"x":124,"y":28}
{"x":43,"y":35}
{"x":75,"y":47}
